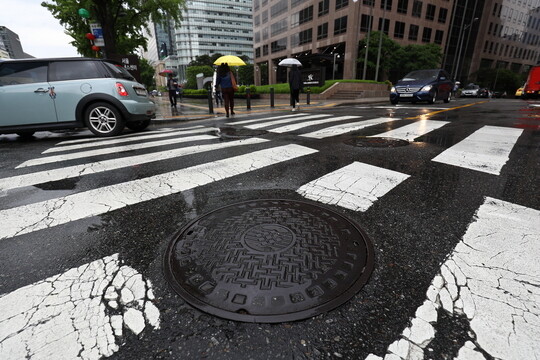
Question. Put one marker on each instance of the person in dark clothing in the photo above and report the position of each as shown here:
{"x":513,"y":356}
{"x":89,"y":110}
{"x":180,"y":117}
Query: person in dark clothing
{"x":295,"y":85}
{"x":226,"y":80}
{"x":172,"y":86}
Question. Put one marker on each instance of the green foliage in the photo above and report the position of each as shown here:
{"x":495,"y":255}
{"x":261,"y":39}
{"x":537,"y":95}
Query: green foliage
{"x":499,"y":80}
{"x":416,"y":57}
{"x":245,"y":74}
{"x":388,"y":49}
{"x":284,"y":88}
{"x":122,"y":21}
{"x":147,"y":74}
{"x":191,"y":74}
{"x":202,"y":60}
{"x":194,"y":92}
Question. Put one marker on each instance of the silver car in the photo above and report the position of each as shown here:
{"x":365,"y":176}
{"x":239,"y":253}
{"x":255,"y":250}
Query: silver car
{"x":64,"y":93}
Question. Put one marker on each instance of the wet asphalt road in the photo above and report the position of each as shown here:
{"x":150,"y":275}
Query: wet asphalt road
{"x":414,"y":227}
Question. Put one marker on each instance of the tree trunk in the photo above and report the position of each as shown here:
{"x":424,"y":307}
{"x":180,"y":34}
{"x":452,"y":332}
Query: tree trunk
{"x":105,"y":16}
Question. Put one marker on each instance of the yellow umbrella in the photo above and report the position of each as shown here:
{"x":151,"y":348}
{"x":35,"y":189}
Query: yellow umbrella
{"x":230,"y":59}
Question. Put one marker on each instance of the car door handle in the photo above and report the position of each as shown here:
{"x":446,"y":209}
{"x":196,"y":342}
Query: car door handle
{"x":41,"y":90}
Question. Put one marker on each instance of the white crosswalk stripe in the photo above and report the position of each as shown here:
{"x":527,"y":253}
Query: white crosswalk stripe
{"x":486,"y":150}
{"x":139,"y":137}
{"x":293,"y":127}
{"x":46,"y":214}
{"x":113,"y":164}
{"x":101,"y":139}
{"x":272,"y":118}
{"x":268,"y":124}
{"x":346,"y":128}
{"x":414,"y":130}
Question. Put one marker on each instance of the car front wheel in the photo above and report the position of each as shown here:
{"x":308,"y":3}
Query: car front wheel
{"x":103,"y":119}
{"x":447,"y":98}
{"x":433,"y":98}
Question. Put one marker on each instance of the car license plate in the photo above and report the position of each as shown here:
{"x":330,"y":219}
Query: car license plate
{"x":405,"y":95}
{"x":140,"y":91}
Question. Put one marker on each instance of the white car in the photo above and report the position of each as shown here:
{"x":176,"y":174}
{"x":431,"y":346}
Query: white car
{"x":470,"y":90}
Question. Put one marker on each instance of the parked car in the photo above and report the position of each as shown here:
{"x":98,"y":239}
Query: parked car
{"x":485,"y":93}
{"x":519,"y":92}
{"x":423,"y":85}
{"x":499,"y":94}
{"x":471,"y":90}
{"x":531,"y":90}
{"x":64,"y":93}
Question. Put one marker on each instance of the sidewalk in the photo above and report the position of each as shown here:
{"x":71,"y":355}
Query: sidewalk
{"x":195,"y":109}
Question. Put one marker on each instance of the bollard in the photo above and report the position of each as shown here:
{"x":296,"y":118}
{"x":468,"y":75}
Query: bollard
{"x":271,"y":97}
{"x":248,"y":98}
{"x":308,"y":97}
{"x":210,"y":103}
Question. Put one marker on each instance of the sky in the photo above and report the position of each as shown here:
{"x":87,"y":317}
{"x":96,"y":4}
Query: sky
{"x":41,"y":35}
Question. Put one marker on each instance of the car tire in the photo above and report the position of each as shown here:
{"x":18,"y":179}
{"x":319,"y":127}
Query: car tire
{"x":138,"y":125}
{"x":433,"y":98}
{"x":26,"y":134}
{"x":447,"y":99}
{"x":103,"y":119}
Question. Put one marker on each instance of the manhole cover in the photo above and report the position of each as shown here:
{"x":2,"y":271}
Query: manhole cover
{"x":363,"y":141}
{"x":269,"y":261}
{"x":233,"y":133}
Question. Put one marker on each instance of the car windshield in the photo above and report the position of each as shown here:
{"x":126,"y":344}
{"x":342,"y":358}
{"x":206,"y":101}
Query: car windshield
{"x":421,"y":75}
{"x":472,"y":87}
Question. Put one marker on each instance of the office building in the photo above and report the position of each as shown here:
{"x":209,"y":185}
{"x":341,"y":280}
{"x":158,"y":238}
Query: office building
{"x":12,"y":44}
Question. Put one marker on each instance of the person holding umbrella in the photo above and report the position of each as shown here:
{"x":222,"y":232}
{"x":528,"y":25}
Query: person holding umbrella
{"x":172,"y":86}
{"x":295,"y":85}
{"x":226,"y":80}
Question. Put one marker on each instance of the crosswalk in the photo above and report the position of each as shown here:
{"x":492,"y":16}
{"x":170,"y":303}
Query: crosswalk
{"x":356,"y":186}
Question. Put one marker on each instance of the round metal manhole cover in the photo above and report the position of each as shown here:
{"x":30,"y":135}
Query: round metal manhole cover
{"x":269,"y":261}
{"x":382,"y":142}
{"x":234,"y":133}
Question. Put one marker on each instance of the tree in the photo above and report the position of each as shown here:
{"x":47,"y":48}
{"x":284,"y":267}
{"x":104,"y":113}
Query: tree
{"x":191,"y":74}
{"x":388,"y":49}
{"x":499,"y":79}
{"x":202,"y":60}
{"x":147,"y":74}
{"x":415,"y":57}
{"x":245,"y":74}
{"x":122,"y":21}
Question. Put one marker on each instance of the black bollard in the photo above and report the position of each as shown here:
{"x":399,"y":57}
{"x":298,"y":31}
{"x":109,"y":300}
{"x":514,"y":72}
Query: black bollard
{"x":248,"y":98}
{"x":271,"y":97}
{"x":308,"y":97}
{"x":210,"y":103}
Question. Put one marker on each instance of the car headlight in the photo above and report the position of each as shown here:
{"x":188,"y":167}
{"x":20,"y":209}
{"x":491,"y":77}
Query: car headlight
{"x":393,"y":89}
{"x":426,"y":88}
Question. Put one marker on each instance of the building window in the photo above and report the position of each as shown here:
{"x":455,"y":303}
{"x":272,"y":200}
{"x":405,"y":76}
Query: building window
{"x":369,"y":2}
{"x":399,"y":30}
{"x":322,"y":31}
{"x":413,"y":32}
{"x":430,"y":12}
{"x":281,"y":7}
{"x":417,"y":8}
{"x":340,"y":25}
{"x":265,"y":16}
{"x":265,"y":33}
{"x":278,"y":45}
{"x":306,"y":14}
{"x":386,"y":26}
{"x":278,"y":27}
{"x":366,"y":23}
{"x":258,"y":52}
{"x":258,"y":37}
{"x":265,"y":50}
{"x":341,"y":4}
{"x":296,"y":3}
{"x":306,"y":36}
{"x":426,"y":35}
{"x":443,"y":13}
{"x":295,"y":39}
{"x":257,"y":20}
{"x":324,"y":7}
{"x":402,"y":6}
{"x":388,"y":4}
{"x":439,"y":36}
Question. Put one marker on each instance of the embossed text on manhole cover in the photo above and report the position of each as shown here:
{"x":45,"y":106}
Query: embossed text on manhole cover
{"x":269,"y":261}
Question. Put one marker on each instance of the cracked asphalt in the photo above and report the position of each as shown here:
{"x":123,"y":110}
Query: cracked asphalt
{"x":85,"y":225}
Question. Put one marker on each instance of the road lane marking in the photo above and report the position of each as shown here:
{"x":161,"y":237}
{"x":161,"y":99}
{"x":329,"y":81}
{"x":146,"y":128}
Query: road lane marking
{"x":284,"y":121}
{"x":243,"y":122}
{"x":112,"y":150}
{"x":79,"y":314}
{"x":414,"y":130}
{"x":293,"y":127}
{"x":492,"y":278}
{"x":116,"y":140}
{"x":424,"y":116}
{"x":53,"y":212}
{"x":486,"y":150}
{"x":113,"y":164}
{"x":346,"y":128}
{"x":99,"y":139}
{"x":356,"y":186}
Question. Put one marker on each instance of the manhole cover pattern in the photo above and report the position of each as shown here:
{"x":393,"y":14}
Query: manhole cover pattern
{"x":362,"y":141}
{"x":269,"y":261}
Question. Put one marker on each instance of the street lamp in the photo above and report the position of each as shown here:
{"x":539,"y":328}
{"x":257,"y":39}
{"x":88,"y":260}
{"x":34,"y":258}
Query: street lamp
{"x":460,"y":48}
{"x":336,"y":55}
{"x":380,"y":42}
{"x":370,"y":24}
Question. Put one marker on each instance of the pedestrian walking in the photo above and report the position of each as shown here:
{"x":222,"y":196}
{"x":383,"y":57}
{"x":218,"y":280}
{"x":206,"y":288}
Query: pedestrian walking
{"x":172,"y":86}
{"x":295,"y":85}
{"x":225,"y":79}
